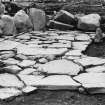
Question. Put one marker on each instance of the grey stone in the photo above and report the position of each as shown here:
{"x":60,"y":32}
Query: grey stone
{"x":86,"y":61}
{"x":39,"y":51}
{"x":8,"y":45}
{"x":11,"y":61}
{"x":12,"y":69}
{"x":7,"y":25}
{"x":91,"y":80}
{"x":26,"y":63}
{"x":80,"y":45}
{"x":22,"y":22}
{"x":89,"y":22}
{"x":29,"y":89}
{"x":58,"y":82}
{"x":58,"y":25}
{"x":35,"y":14}
{"x":30,"y":80}
{"x":9,"y":80}
{"x":96,"y":69}
{"x":27,"y":71}
{"x":6,"y":93}
{"x":61,"y":67}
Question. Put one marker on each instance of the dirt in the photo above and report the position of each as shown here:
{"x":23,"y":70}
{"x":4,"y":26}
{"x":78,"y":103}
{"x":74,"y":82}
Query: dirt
{"x":43,"y":97}
{"x":96,"y":49}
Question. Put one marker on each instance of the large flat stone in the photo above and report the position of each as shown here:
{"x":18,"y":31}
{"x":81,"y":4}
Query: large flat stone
{"x":80,"y":45}
{"x":96,"y":69}
{"x":11,"y":61}
{"x":27,"y":71}
{"x":61,"y":67}
{"x":86,"y":61}
{"x":74,"y":53}
{"x":26,"y":63}
{"x":91,"y":80}
{"x":6,"y":93}
{"x":12,"y":69}
{"x":39,"y":51}
{"x":30,"y":80}
{"x":57,"y":82}
{"x":9,"y":80}
{"x":8,"y":45}
{"x":83,"y":38}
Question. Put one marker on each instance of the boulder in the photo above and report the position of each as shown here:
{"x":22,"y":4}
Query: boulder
{"x":7,"y":25}
{"x":2,"y":8}
{"x":38,"y":18}
{"x":58,"y":25}
{"x":65,"y":17}
{"x":22,"y":22}
{"x":89,"y":22}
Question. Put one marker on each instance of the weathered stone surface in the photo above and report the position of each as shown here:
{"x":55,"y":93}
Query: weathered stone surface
{"x":29,"y":89}
{"x":35,"y":14}
{"x":58,"y":25}
{"x":82,"y":38}
{"x":2,"y":8}
{"x":26,"y":63}
{"x":21,"y":57}
{"x":96,"y":69}
{"x":9,"y":80}
{"x":65,"y":17}
{"x":61,"y":67}
{"x":7,"y":56}
{"x":8,"y":45}
{"x":30,"y":80}
{"x":74,"y":53}
{"x":58,"y":82}
{"x":6,"y":93}
{"x":60,"y":45}
{"x":27,"y":71}
{"x":80,"y":45}
{"x":25,"y":36}
{"x":22,"y":22}
{"x":43,"y":60}
{"x":7,"y":25}
{"x":86,"y":61}
{"x":12,"y":69}
{"x":37,"y":51}
{"x":11,"y":61}
{"x":89,"y":22}
{"x":91,"y":80}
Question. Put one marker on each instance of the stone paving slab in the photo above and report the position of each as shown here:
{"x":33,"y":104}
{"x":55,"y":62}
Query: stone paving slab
{"x":50,"y":60}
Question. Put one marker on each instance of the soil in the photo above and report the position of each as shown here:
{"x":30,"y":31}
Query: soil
{"x":43,"y":97}
{"x":96,"y":49}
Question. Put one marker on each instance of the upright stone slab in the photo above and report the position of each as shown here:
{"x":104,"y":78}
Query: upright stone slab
{"x":22,"y":22}
{"x":7,"y":25}
{"x":89,"y":22}
{"x":65,"y":17}
{"x":38,"y":18}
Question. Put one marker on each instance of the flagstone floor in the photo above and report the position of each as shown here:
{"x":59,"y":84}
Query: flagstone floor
{"x":51,"y":60}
